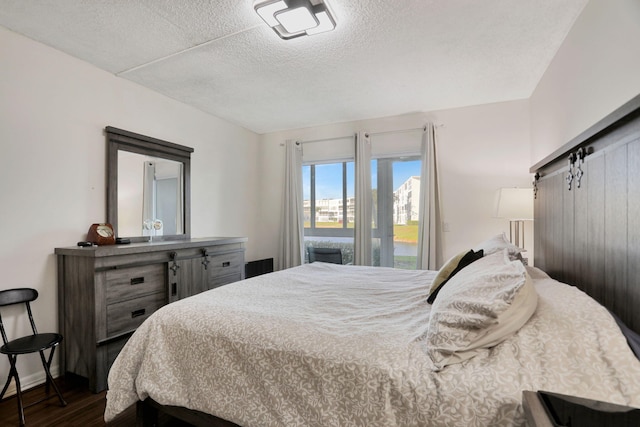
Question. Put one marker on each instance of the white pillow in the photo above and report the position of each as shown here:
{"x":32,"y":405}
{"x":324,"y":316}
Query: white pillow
{"x":481,"y":306}
{"x":498,"y":243}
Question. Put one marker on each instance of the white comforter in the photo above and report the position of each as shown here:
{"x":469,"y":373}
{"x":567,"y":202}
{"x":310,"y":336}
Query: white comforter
{"x":330,"y":345}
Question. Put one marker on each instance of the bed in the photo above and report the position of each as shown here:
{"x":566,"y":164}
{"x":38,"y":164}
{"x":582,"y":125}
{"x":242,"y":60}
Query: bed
{"x":324,"y":344}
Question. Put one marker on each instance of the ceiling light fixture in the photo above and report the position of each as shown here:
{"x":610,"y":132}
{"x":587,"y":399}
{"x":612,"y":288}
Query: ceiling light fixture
{"x":295,"y":18}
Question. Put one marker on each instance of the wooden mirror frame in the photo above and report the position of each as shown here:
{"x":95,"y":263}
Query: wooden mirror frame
{"x":122,"y":140}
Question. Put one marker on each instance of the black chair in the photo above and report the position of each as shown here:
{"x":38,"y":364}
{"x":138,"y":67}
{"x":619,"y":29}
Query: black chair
{"x":28,"y":344}
{"x":332,"y":255}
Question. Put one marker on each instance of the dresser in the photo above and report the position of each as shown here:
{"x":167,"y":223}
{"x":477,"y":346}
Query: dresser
{"x":106,"y":292}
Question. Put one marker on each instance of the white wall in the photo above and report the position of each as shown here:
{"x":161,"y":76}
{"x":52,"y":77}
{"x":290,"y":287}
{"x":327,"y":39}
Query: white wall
{"x":595,"y":71}
{"x":53,"y":109}
{"x":480,"y":149}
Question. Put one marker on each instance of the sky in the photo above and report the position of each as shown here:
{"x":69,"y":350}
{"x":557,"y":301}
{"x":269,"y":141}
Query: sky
{"x":329,"y":178}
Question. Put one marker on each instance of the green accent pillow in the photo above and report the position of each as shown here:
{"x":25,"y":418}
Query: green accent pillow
{"x":449,"y":270}
{"x":446,"y":270}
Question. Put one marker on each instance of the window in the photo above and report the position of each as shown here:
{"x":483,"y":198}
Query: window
{"x":396,"y":194}
{"x":329,"y":196}
{"x":329,"y":206}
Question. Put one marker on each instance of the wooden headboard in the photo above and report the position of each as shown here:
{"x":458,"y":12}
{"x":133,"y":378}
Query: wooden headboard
{"x":589,"y":235}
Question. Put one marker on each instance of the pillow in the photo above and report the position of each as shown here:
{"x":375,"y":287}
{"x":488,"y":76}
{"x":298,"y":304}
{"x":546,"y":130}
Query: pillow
{"x":481,"y":306}
{"x":498,"y":243}
{"x":451,"y":267}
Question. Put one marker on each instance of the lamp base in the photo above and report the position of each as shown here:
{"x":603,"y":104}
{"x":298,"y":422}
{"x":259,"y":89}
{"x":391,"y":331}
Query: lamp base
{"x":516,"y":232}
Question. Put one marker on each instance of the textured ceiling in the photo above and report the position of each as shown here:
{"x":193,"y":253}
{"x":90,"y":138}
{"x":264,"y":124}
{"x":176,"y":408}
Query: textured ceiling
{"x":386,"y":57}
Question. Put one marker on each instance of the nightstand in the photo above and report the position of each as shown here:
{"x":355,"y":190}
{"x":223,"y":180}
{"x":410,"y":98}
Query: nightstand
{"x":544,"y":409}
{"x":534,"y":412}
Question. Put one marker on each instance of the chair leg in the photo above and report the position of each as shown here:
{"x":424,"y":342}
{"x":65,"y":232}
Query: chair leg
{"x":19,"y":396}
{"x":6,"y":385}
{"x":13,"y":373}
{"x":45,"y":365}
{"x":47,"y":382}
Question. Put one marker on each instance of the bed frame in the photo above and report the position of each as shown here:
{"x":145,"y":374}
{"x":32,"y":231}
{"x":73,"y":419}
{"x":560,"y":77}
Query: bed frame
{"x":150,"y":413}
{"x":587,"y":227}
{"x":587,"y":213}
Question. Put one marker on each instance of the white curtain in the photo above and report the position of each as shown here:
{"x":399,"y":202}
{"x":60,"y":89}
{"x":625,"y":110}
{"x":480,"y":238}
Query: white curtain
{"x":292,"y":236}
{"x":430,"y":224}
{"x":362,"y":250}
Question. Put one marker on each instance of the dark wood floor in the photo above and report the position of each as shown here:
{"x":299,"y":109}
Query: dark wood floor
{"x":84,"y":408}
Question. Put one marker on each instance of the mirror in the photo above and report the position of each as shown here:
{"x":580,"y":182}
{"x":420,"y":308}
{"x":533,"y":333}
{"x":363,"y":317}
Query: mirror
{"x":150,"y":194}
{"x":148,"y":197}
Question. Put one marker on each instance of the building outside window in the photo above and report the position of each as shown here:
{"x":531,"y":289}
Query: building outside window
{"x":327,"y":189}
{"x":396,"y":182}
{"x":329,"y":208}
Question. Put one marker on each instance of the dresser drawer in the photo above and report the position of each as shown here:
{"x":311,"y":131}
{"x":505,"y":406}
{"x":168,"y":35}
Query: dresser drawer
{"x":127,"y":315}
{"x":131,"y":283}
{"x":223,"y":264}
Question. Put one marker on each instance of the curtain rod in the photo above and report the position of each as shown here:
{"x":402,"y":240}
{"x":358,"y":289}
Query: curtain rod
{"x":321,"y":140}
{"x":423,"y":128}
{"x":395,"y":131}
{"x":326,"y":139}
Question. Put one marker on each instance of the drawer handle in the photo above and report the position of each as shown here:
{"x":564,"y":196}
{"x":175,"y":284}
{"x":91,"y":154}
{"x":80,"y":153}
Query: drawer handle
{"x":226,"y":264}
{"x":137,"y":280}
{"x":138,"y":313}
{"x":175,"y":266}
{"x":205,"y":255}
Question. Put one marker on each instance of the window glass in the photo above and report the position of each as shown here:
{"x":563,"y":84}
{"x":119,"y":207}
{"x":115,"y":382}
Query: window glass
{"x":328,"y":201}
{"x":396,"y":196}
{"x":329,"y":208}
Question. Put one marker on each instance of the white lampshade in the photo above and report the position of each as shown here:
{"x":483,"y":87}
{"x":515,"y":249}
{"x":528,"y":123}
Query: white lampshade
{"x":515,"y":204}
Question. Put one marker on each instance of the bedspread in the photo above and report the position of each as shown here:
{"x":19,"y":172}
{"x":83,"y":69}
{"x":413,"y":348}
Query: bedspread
{"x":330,"y":345}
